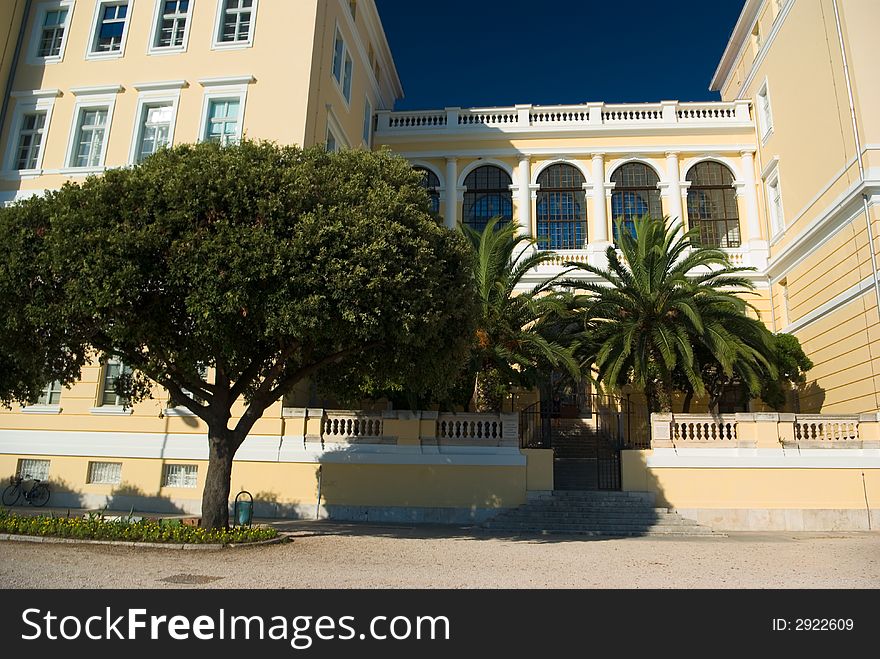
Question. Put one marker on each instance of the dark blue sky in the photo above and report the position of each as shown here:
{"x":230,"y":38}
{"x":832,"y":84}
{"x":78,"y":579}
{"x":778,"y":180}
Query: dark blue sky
{"x":492,"y":52}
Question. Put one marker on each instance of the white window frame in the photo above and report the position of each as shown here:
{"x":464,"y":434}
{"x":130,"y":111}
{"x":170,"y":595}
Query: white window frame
{"x":152,"y":96}
{"x":46,"y":408}
{"x":100,"y":408}
{"x":90,"y":99}
{"x":181,"y":410}
{"x":224,"y":89}
{"x":91,"y":53}
{"x":368,"y":121}
{"x":188,"y":471}
{"x":25,"y":468}
{"x":218,"y":44}
{"x":777,"y":212}
{"x":335,"y":129}
{"x":155,"y":31}
{"x":765,"y":111}
{"x":33,"y":57}
{"x":28,"y":103}
{"x":346,"y":76}
{"x":98,"y":473}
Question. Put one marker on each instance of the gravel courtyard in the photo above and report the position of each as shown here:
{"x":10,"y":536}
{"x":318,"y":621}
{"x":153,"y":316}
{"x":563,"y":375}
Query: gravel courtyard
{"x":324,"y":555}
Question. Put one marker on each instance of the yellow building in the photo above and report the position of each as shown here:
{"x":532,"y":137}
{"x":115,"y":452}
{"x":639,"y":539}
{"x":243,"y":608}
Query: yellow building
{"x":103,"y":84}
{"x":783,"y":173}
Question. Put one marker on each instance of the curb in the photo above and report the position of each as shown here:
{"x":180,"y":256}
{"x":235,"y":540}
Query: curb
{"x":46,"y":539}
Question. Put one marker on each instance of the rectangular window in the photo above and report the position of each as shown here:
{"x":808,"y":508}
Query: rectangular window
{"x":52,"y":33}
{"x":155,"y":129}
{"x":765,"y":114}
{"x":222,"y":126}
{"x":338,"y":55}
{"x":113,"y":370}
{"x":34,"y":469}
{"x":774,"y":195}
{"x":352,"y":7}
{"x":110,"y":30}
{"x":368,"y":121}
{"x":332,"y":144}
{"x":105,"y":473}
{"x":173,"y":18}
{"x":30,"y":140}
{"x":90,"y":137}
{"x":180,"y":476}
{"x":172,"y":404}
{"x":51,"y":394}
{"x":346,"y":77}
{"x":236,"y":21}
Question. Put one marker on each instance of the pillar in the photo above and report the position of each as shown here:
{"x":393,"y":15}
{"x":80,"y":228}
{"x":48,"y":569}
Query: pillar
{"x":674,"y":191}
{"x":524,"y":197}
{"x":600,"y":216}
{"x":451,"y":193}
{"x":759,"y":252}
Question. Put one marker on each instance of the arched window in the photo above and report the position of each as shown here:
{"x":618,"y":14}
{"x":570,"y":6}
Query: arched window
{"x":432,"y":186}
{"x":712,"y":205}
{"x":488,"y":195}
{"x":562,"y":208}
{"x":635,"y":194}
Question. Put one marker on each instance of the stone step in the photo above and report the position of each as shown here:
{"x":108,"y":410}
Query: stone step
{"x":610,"y":531}
{"x":611,"y":513}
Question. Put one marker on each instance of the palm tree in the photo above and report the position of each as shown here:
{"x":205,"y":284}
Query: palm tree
{"x":511,"y":346}
{"x":664,"y":307}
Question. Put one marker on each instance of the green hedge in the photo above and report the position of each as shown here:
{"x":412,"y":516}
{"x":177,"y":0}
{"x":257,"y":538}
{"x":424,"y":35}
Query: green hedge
{"x":95,"y":527}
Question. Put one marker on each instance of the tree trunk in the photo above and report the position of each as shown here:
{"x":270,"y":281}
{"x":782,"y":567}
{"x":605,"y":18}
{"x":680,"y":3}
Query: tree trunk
{"x":659,"y":396}
{"x":686,"y":404}
{"x":485,"y":398}
{"x":215,"y":498}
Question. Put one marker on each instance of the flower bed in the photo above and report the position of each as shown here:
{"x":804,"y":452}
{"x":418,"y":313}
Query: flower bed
{"x":95,"y":527}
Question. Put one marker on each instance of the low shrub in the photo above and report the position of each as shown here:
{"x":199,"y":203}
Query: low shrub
{"x":95,"y":527}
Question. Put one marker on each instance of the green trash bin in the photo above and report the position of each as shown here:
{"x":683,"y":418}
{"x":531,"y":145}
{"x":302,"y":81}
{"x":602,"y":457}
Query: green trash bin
{"x":243,"y":510}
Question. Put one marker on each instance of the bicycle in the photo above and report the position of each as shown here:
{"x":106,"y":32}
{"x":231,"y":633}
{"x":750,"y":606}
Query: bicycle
{"x":36,"y":495}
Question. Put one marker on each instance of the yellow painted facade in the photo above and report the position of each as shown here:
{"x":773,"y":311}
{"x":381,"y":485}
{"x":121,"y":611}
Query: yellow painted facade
{"x":825,"y":288}
{"x":804,"y":197}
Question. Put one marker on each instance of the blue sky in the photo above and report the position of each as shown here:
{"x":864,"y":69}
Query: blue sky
{"x":491,"y":52}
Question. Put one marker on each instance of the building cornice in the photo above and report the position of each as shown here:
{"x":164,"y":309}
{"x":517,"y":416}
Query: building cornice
{"x":738,"y":38}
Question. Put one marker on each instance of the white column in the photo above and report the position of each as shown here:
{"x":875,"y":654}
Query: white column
{"x":750,"y":193}
{"x":600,"y":217}
{"x":759,"y":252}
{"x":674,"y":191}
{"x":524,"y":196}
{"x":451,"y":193}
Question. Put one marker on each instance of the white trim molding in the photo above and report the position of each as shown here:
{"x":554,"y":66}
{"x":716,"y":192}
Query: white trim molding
{"x":155,"y":30}
{"x":27,"y":104}
{"x":219,"y":89}
{"x":431,"y":168}
{"x":33,"y":57}
{"x":838,"y":301}
{"x":91,"y":53}
{"x":102,"y":89}
{"x":162,"y":84}
{"x":90,"y":98}
{"x":217,"y":44}
{"x":577,"y":163}
{"x":227,"y":81}
{"x":147,"y":99}
{"x":467,"y":169}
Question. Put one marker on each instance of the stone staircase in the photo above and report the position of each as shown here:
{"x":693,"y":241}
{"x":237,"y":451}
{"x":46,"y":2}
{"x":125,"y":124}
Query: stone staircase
{"x":593,"y":513}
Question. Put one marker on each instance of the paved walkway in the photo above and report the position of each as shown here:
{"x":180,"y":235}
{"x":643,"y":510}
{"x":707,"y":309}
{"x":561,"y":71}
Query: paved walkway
{"x":334,"y":555}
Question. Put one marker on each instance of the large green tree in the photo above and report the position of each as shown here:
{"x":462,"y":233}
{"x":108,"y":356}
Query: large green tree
{"x":515,"y":329}
{"x":265,"y":264}
{"x":664,"y":305}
